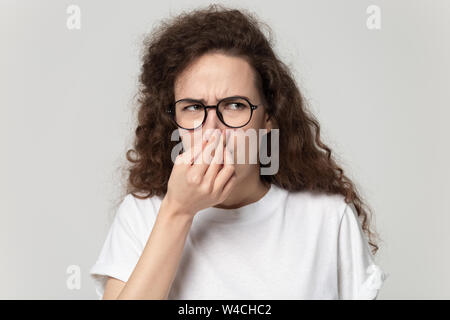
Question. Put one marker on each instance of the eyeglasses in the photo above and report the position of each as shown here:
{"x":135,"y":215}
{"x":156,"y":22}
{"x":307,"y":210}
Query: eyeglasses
{"x":234,"y":112}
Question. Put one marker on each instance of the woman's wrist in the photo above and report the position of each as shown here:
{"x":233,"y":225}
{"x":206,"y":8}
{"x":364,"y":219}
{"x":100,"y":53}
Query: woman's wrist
{"x":173,"y":210}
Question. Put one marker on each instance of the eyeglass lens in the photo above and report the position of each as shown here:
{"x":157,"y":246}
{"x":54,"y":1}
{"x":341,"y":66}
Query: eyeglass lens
{"x":235,"y":112}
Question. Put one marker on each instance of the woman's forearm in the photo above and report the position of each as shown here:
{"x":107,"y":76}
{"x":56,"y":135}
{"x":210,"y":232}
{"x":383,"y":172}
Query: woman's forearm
{"x":155,"y":271}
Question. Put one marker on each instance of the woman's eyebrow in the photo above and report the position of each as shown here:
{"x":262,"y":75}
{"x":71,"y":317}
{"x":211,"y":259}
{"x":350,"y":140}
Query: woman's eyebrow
{"x":204,"y":102}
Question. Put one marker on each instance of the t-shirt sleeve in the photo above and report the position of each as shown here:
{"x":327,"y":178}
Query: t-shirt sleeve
{"x":123,"y":245}
{"x":359,"y":276}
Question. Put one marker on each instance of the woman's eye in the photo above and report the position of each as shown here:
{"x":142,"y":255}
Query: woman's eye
{"x":235,"y":105}
{"x":192,"y":108}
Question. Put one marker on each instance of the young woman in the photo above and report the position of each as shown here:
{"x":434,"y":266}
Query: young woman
{"x":189,"y":229}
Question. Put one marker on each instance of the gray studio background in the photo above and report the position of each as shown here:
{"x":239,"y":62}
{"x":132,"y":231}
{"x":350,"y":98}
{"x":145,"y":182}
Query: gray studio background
{"x":66,"y":120}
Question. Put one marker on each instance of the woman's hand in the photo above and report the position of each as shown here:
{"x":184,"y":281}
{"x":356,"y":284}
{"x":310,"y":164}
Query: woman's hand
{"x":198,"y":182}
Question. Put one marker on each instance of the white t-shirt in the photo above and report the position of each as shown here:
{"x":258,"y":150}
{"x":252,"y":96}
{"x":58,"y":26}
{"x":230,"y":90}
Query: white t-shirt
{"x":287,"y":245}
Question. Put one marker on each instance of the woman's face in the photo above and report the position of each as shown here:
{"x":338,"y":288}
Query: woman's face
{"x":212,"y":77}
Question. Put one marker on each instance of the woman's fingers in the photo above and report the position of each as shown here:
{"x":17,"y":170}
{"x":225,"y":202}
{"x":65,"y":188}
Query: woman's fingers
{"x":215,"y":170}
{"x":228,"y":187}
{"x":189,"y":155}
{"x":226,"y":172}
{"x":222,"y":178}
{"x":203,"y":183}
{"x":217,"y":161}
{"x":204,"y":159}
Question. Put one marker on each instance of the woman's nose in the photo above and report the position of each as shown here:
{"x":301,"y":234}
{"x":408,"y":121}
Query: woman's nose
{"x":212,"y":121}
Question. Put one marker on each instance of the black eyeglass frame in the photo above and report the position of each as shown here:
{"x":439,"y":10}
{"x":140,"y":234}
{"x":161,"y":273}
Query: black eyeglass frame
{"x":171,"y":111}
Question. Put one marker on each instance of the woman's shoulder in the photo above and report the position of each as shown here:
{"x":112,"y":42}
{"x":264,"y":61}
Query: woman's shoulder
{"x":137,"y":208}
{"x":318,"y":202}
{"x":142,"y":200}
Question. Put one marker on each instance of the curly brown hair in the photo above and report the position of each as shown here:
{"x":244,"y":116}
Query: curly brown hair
{"x":306,"y":162}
